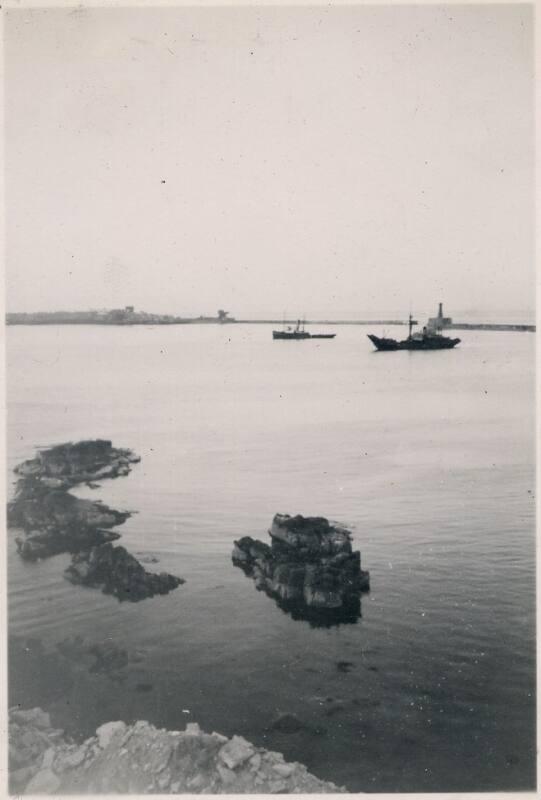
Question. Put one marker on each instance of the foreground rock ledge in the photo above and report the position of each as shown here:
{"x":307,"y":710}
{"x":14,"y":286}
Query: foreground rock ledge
{"x":140,"y":759}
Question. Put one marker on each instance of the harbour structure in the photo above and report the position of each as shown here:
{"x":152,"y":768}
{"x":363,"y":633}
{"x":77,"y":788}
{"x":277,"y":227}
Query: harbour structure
{"x":438,"y":323}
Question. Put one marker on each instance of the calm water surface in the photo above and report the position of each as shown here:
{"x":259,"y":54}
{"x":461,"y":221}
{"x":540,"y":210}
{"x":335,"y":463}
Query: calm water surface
{"x":428,"y":457}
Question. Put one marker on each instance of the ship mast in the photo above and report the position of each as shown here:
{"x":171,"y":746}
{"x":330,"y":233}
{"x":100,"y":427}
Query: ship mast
{"x":410,"y":323}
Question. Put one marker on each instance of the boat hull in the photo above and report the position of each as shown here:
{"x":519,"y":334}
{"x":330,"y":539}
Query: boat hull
{"x":426,"y":343}
{"x":290,"y":335}
{"x":301,"y":335}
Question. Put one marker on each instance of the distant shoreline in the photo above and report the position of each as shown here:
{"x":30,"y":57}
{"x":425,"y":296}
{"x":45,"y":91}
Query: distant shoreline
{"x":121,"y":318}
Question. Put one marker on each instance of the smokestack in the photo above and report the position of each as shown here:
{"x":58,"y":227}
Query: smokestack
{"x":440,"y":312}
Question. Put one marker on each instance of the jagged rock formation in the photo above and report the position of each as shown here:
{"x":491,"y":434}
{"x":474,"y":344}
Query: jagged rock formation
{"x":55,"y":521}
{"x":310,"y":568}
{"x":140,"y":759}
{"x":117,"y":572}
{"x":68,"y":464}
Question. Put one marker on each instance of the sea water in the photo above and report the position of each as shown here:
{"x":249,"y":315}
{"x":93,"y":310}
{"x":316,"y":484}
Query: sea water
{"x":428,"y":457}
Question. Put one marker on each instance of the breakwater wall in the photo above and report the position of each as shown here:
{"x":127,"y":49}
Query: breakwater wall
{"x":488,"y":326}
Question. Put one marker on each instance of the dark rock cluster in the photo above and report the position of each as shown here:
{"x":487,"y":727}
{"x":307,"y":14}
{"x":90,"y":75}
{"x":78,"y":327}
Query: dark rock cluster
{"x":66,"y":465}
{"x":54,"y":521}
{"x":309,"y":568}
{"x":117,"y":572}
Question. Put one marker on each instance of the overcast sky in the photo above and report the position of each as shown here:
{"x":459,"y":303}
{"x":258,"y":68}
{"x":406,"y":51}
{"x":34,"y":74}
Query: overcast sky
{"x":330,"y":161}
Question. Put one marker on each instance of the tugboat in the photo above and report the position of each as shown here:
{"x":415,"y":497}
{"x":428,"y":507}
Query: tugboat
{"x":428,"y":339}
{"x":298,"y":332}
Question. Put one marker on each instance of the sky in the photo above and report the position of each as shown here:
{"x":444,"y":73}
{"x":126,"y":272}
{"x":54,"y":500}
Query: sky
{"x":331,"y":160}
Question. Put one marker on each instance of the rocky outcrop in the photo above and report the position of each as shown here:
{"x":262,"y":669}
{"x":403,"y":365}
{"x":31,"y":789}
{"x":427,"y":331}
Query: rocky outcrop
{"x":57,"y":522}
{"x":141,"y":759}
{"x":309,"y":568}
{"x":68,"y":464}
{"x":54,"y":521}
{"x":117,"y":572}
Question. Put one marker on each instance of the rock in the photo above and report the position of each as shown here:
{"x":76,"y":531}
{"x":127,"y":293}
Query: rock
{"x":288,"y":723}
{"x":236,"y":752}
{"x":143,"y":687}
{"x":106,"y":732}
{"x":117,"y":572}
{"x":78,"y":460}
{"x":44,"y":782}
{"x":109,"y":658}
{"x":55,"y":520}
{"x":277,"y":786}
{"x":73,"y":759}
{"x":309,"y":569}
{"x":197,"y":782}
{"x":192,"y":729}
{"x":139,"y":759}
{"x":33,"y":716}
{"x":333,"y":707}
{"x":19,"y":778}
{"x":255,"y":762}
{"x":164,"y":779}
{"x":227,"y":775}
{"x":285,"y":770}
{"x":312,"y":534}
{"x":48,"y":758}
{"x":28,"y":469}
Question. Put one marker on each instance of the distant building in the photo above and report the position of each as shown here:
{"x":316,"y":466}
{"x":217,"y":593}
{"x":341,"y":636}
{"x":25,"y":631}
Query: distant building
{"x":130,"y":309}
{"x":439,"y":322}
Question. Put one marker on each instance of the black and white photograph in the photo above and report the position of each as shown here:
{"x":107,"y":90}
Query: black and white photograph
{"x":270,"y":451}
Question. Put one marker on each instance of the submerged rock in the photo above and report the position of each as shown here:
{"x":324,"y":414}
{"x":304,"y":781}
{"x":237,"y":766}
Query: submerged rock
{"x":288,"y":723}
{"x":100,"y":657}
{"x":310,"y":568}
{"x":140,"y":759}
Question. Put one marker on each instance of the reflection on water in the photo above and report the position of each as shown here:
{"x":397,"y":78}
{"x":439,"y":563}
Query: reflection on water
{"x":427,"y":457}
{"x":348,"y":613}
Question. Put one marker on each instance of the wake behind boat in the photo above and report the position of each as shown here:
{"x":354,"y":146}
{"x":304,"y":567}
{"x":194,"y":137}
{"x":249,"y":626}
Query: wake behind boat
{"x":430,"y":338}
{"x":299,"y":332}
